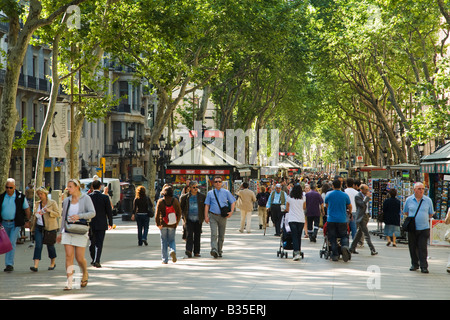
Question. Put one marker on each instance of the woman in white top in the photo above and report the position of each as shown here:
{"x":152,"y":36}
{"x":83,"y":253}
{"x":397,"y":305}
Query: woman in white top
{"x":296,"y":218}
{"x":75,"y":207}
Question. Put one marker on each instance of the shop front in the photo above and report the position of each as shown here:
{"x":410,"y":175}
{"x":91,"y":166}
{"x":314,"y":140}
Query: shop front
{"x":436,"y":172}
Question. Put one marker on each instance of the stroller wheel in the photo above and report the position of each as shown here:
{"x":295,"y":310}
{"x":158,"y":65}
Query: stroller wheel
{"x":286,"y":255}
{"x":321,"y":254}
{"x":303,"y":255}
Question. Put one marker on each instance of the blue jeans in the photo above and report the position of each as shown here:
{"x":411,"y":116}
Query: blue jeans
{"x":38,"y":237}
{"x":167,"y":240}
{"x":142,"y":221}
{"x":296,"y":232}
{"x":13,"y":233}
{"x":352,"y":225}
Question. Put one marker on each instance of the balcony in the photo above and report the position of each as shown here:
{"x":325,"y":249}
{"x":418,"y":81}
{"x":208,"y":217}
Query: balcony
{"x":32,"y":82}
{"x":33,"y":142}
{"x":44,"y":85}
{"x":111,"y":149}
{"x":122,"y":107}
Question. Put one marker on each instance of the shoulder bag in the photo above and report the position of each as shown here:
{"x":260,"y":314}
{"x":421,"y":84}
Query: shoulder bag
{"x":223,"y":211}
{"x":80,"y":226}
{"x":49,"y":236}
{"x":409,"y":225}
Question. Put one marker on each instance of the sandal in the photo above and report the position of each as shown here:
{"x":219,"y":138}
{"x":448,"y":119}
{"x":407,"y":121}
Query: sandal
{"x":84,"y":283}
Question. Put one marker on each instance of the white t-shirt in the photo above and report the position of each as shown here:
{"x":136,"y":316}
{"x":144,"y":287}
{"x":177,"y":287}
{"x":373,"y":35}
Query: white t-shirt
{"x":352,"y":194}
{"x":73,"y":209}
{"x":296,"y":213}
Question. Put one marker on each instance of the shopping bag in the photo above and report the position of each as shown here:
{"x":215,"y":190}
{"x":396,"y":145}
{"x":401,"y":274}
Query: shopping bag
{"x":5,"y":243}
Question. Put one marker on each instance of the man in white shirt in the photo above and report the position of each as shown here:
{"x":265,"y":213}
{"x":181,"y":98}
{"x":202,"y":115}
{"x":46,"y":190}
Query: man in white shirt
{"x":352,"y":191}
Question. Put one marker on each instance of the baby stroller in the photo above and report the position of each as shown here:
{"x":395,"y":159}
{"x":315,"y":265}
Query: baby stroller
{"x":326,"y":247}
{"x":285,"y":239}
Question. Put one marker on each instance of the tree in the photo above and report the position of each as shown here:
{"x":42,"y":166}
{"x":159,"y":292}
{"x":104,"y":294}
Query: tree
{"x":19,"y":37}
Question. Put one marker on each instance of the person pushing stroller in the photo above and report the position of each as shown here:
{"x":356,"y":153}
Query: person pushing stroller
{"x":338,"y":203}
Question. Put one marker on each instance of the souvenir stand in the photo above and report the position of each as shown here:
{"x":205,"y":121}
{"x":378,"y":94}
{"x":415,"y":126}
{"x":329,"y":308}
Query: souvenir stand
{"x":377,"y":181}
{"x":436,"y":170}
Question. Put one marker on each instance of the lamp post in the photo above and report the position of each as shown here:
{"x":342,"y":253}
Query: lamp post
{"x":128,"y":148}
{"x":385,"y":155}
{"x":161,"y":156}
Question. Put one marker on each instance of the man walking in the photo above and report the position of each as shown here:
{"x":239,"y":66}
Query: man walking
{"x":217,"y":213}
{"x":313,"y":206}
{"x":361,"y":218}
{"x":277,"y":199}
{"x":421,"y":207}
{"x":193,"y":213}
{"x":246,"y":199}
{"x":338,"y":203}
{"x":100,"y":223}
{"x":15,"y":212}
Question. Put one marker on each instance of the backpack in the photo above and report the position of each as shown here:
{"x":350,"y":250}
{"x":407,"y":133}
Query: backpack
{"x":262,"y":199}
{"x":170,"y":216}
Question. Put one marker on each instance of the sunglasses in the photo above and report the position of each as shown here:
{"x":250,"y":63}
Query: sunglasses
{"x":9,"y":187}
{"x":194,"y":187}
{"x":217,"y":181}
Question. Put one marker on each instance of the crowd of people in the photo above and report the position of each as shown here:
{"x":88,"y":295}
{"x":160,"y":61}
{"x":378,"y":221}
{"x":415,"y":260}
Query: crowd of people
{"x":304,"y":205}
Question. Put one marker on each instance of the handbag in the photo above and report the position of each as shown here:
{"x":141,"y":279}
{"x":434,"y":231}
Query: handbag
{"x":80,"y":226}
{"x":151,"y":212}
{"x":5,"y":243}
{"x":49,"y":237}
{"x":223,"y":211}
{"x":409,"y":224}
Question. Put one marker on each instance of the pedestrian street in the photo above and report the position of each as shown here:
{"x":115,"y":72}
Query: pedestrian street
{"x":249,"y":270}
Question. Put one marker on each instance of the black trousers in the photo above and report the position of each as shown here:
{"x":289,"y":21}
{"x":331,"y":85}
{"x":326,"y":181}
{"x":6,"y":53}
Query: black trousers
{"x":193,"y":234}
{"x":276,"y":215}
{"x":95,"y":248}
{"x":418,"y":250}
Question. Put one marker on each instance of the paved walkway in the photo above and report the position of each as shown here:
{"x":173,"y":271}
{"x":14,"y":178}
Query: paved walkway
{"x":249,"y":270}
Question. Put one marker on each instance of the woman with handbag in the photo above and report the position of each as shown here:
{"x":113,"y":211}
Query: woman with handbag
{"x":142,"y":212}
{"x":44,"y":225}
{"x":77,"y":211}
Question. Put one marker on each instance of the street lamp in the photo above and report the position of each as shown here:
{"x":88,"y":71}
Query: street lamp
{"x":385,"y":155}
{"x":128,"y":148}
{"x":421,"y":149}
{"x":161,"y":156}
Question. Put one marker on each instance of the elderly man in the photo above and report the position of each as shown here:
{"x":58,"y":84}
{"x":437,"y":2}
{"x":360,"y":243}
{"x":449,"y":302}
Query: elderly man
{"x":421,"y":207}
{"x":14,"y":213}
{"x":361,"y":218}
{"x":277,"y":199}
{"x":216,"y":200}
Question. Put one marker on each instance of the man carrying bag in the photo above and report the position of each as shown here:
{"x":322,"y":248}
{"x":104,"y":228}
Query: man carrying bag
{"x":420,"y":208}
{"x":216,"y":214}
